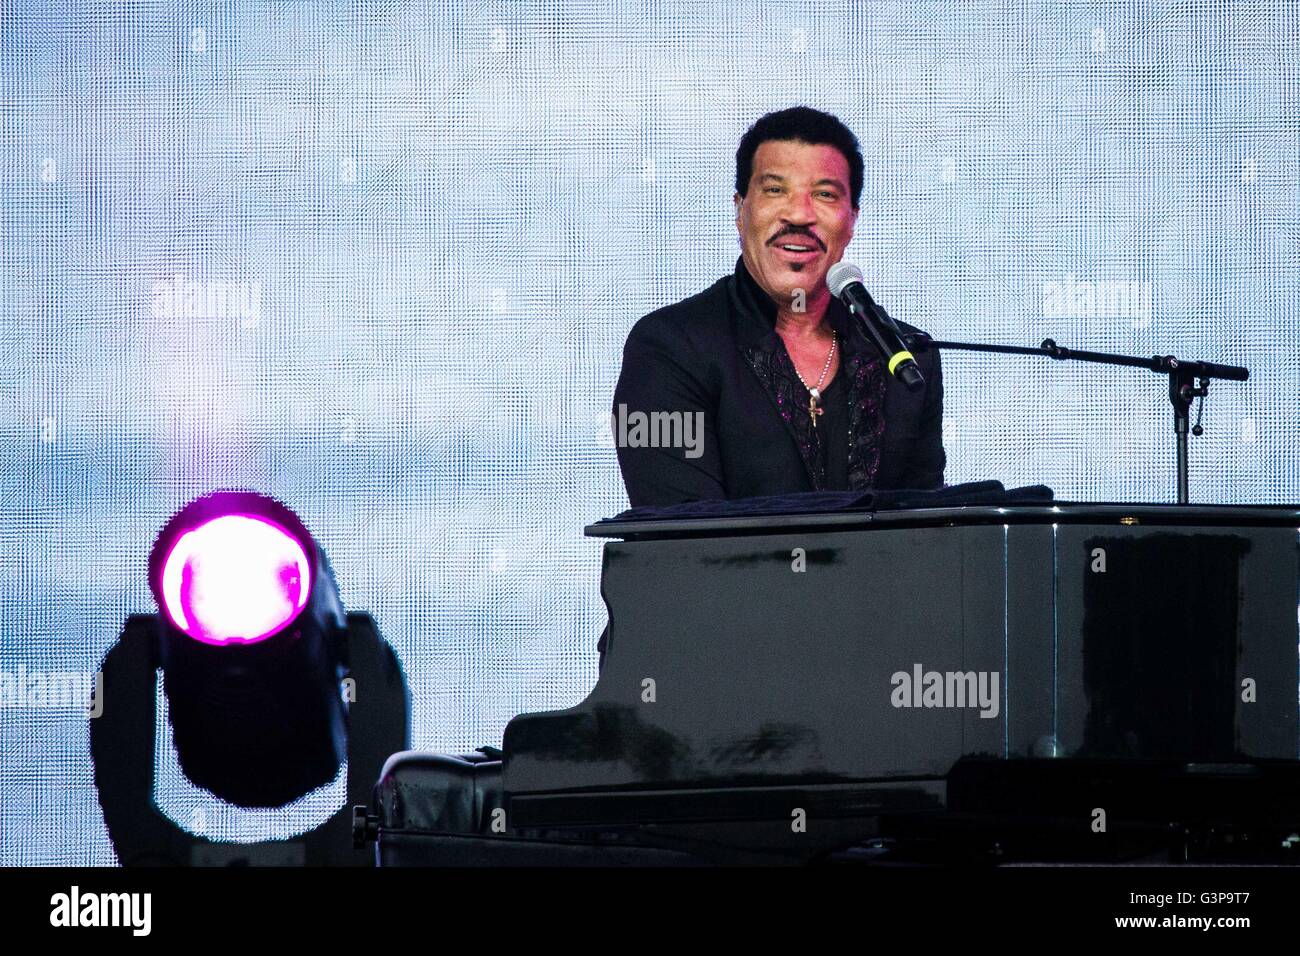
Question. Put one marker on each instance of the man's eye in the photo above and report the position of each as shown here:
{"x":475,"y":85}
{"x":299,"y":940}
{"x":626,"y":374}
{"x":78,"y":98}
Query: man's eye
{"x":772,"y":190}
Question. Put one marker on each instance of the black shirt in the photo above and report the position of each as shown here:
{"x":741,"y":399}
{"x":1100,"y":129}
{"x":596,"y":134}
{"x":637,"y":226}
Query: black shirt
{"x":833,"y":435}
{"x":717,"y":358}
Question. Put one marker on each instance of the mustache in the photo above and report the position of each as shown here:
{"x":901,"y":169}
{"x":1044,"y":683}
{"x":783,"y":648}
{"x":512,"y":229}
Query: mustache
{"x":793,"y":233}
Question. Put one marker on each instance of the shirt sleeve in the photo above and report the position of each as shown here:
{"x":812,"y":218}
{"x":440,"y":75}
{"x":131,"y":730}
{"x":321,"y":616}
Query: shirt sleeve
{"x":664,"y":421}
{"x":925,"y":465}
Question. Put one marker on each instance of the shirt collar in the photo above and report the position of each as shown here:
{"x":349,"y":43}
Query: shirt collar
{"x":757,"y":314}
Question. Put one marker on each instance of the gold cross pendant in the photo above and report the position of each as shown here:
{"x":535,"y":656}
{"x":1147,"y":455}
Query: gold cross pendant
{"x":813,"y":410}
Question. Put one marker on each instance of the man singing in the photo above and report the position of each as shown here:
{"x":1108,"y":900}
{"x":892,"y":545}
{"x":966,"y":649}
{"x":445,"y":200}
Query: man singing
{"x":791,"y":396}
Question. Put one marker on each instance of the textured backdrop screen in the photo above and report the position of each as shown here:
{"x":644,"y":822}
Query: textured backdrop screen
{"x":378,"y":260}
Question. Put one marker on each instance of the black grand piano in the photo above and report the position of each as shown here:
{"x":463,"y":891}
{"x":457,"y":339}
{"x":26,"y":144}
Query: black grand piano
{"x":1050,"y":681}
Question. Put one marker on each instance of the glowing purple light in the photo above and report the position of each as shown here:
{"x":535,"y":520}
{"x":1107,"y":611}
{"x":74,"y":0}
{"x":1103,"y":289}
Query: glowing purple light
{"x":238,"y":578}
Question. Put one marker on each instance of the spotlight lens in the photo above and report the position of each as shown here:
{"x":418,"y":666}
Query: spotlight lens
{"x":238,"y":578}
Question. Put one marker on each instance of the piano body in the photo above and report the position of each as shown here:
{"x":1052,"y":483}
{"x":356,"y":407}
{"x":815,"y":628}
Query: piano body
{"x":1058,"y":681}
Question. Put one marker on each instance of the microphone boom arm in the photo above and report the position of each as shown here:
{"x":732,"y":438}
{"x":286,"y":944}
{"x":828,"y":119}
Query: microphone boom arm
{"x":1187,"y":380}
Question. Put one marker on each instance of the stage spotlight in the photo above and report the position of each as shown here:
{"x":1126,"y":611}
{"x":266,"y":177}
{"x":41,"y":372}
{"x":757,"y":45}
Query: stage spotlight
{"x":254,"y":647}
{"x":250,"y":642}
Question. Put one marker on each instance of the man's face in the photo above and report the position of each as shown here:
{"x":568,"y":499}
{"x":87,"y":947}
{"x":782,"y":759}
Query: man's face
{"x":797,"y":218}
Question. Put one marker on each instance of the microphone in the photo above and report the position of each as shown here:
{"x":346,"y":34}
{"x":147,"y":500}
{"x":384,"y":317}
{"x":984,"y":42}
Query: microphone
{"x":845,"y":282}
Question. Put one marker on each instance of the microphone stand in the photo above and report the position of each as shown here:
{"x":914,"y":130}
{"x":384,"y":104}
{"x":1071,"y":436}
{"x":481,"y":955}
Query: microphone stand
{"x":1187,"y":380}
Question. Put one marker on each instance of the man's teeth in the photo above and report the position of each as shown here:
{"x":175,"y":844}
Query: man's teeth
{"x":790,"y":248}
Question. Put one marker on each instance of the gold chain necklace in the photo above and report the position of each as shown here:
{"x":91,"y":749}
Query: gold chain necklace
{"x":815,"y":391}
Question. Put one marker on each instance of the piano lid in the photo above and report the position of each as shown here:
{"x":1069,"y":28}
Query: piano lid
{"x":671,"y":525}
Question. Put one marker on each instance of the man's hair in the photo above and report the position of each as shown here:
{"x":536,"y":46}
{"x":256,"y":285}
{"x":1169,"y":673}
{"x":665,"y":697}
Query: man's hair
{"x":805,"y":125}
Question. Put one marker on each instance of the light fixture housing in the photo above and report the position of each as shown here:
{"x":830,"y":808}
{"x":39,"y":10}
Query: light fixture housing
{"x":251,"y":637}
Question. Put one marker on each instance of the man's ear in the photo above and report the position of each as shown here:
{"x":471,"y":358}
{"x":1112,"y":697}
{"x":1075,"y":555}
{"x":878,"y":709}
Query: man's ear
{"x":736,"y":200}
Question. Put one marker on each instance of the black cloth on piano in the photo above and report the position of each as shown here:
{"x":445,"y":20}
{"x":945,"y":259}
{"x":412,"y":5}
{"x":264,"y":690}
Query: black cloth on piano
{"x":817,"y":502}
